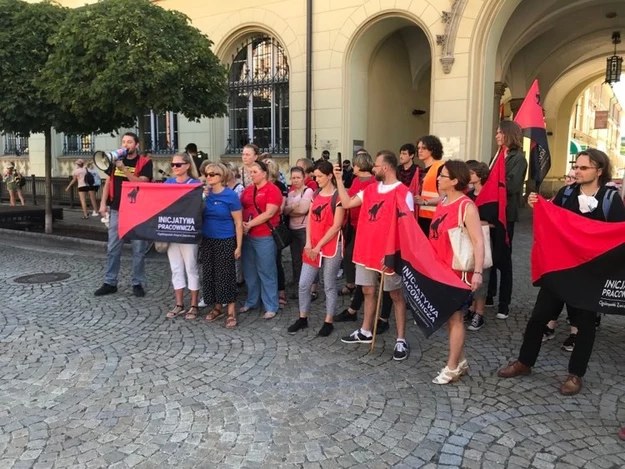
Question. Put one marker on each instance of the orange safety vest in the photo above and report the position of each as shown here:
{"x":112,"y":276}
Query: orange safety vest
{"x":429,"y":190}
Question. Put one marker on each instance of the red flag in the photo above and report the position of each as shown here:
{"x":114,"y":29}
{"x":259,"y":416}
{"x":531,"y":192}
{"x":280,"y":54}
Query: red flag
{"x":531,"y":119}
{"x":433,"y":291}
{"x":161,"y":212}
{"x":492,"y":199}
{"x":581,"y":260}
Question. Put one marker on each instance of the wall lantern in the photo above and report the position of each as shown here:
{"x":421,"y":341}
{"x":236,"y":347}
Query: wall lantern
{"x":614,"y":63}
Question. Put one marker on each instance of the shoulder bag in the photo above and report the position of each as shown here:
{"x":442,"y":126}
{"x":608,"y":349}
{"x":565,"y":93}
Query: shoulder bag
{"x":281,"y":233}
{"x":461,"y":244}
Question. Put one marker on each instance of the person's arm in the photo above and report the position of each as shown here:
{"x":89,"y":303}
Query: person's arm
{"x":516,"y":167}
{"x":346,"y":200}
{"x":474,"y":228}
{"x":303,"y":204}
{"x":237,"y":216}
{"x":105,"y":195}
{"x":264,"y":217}
{"x":131,"y":176}
{"x":71,"y":183}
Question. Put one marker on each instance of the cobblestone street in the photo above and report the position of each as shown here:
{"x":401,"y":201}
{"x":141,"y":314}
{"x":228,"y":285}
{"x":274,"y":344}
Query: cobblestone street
{"x":110,"y":382}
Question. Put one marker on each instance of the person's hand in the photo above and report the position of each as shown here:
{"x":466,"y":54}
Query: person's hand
{"x":418,"y":200}
{"x":246,"y":227}
{"x":237,"y":253}
{"x":120,"y":165}
{"x":103,"y":210}
{"x":338,"y":171}
{"x":311,"y":253}
{"x":532,"y":199}
{"x":476,"y":281}
{"x":67,"y":188}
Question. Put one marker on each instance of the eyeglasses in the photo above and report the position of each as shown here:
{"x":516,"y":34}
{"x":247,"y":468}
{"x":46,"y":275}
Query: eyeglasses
{"x":178,"y":165}
{"x":444,"y":176}
{"x":212,"y":175}
{"x":582,"y":168}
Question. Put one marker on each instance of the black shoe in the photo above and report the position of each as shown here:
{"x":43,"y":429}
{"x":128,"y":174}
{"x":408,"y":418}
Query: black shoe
{"x":489,"y":301}
{"x":569,"y":344}
{"x":357,"y":337}
{"x":477,"y":322}
{"x":345,"y":316}
{"x":326,"y":329}
{"x":301,"y":323}
{"x":503,"y":315}
{"x":382,"y":326}
{"x":105,"y":289}
{"x":313,"y":296}
{"x":402,"y":350}
{"x":548,"y":333}
{"x":138,"y":291}
{"x":468,"y":315}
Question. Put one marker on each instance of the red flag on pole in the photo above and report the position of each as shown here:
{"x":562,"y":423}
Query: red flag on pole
{"x":492,"y":199}
{"x":531,"y":119}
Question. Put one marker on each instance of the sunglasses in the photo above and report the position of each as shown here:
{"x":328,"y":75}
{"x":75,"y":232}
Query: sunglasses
{"x":212,"y":175}
{"x":178,"y":165}
{"x":582,"y":168}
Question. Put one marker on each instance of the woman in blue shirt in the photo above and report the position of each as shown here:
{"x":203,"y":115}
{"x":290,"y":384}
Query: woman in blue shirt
{"x":222,"y":238}
{"x":183,"y":257}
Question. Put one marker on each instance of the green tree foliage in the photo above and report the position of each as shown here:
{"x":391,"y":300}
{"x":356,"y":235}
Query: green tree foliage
{"x":115,"y":59}
{"x":24,"y":50}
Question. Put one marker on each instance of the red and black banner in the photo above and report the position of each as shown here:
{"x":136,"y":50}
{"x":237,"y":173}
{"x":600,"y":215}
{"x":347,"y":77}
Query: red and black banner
{"x":579,"y":259}
{"x":491,"y":202}
{"x":432,"y":290}
{"x":161,"y":212}
{"x":530,"y":118}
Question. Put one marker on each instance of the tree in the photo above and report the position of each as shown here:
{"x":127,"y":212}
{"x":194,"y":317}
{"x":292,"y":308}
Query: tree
{"x":24,"y":49}
{"x":122,"y":58}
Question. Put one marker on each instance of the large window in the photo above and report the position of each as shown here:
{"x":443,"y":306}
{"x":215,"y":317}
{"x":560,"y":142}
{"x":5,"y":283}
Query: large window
{"x":78,"y":145}
{"x":161,"y":132}
{"x":14,"y":144}
{"x":259,"y":97}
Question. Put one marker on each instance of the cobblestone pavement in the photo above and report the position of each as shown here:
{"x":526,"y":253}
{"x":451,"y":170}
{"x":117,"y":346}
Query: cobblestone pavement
{"x":88,"y":382}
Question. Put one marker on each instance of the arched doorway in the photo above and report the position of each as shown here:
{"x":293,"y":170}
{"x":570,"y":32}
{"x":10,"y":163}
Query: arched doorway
{"x":388,"y":84}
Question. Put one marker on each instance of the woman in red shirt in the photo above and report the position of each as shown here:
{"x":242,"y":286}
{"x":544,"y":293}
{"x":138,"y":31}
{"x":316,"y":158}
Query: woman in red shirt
{"x":452,"y":181}
{"x":261,"y":203}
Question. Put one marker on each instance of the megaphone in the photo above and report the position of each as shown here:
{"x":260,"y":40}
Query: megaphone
{"x":105,"y":159}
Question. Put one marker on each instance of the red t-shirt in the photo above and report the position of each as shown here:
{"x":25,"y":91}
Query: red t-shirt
{"x":357,"y":186}
{"x":268,"y":194}
{"x":309,"y":182}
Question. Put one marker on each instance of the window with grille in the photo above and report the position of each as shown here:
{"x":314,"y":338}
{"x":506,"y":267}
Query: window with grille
{"x":78,"y":145}
{"x":258,"y":105}
{"x":161,"y":132}
{"x":15,"y":144}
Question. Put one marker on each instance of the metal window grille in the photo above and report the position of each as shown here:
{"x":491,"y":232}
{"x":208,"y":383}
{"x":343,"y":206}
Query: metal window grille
{"x":259,"y":97}
{"x":161,"y":132}
{"x":15,"y":144}
{"x":78,"y":144}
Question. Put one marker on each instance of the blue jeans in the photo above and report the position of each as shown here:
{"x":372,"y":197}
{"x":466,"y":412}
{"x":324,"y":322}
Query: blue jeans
{"x":114,"y":254}
{"x":260,"y":272}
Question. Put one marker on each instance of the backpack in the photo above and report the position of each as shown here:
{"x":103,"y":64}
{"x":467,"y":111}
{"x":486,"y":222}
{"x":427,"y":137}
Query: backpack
{"x":20,"y":179}
{"x":89,"y":178}
{"x":606,"y":203}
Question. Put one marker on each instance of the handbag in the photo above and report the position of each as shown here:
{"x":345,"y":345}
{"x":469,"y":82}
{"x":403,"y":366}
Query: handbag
{"x":461,"y":244}
{"x":281,"y":233}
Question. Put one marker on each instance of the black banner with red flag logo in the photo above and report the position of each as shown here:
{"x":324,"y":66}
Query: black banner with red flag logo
{"x":530,"y":118}
{"x":161,"y":212}
{"x":581,"y":260}
{"x":433,"y":291}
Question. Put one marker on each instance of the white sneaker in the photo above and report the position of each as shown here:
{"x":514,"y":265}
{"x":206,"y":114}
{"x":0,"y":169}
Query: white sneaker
{"x":95,"y":214}
{"x":201,"y":303}
{"x":339,"y":274}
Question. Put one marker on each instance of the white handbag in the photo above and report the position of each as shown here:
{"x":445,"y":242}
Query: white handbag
{"x":461,"y":244}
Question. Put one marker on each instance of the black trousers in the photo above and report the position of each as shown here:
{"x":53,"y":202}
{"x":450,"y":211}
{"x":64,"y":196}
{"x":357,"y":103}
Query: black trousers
{"x":548,"y":306}
{"x":504,"y":266}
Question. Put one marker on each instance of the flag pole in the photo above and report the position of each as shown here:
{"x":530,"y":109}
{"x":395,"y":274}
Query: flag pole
{"x":377,"y":313}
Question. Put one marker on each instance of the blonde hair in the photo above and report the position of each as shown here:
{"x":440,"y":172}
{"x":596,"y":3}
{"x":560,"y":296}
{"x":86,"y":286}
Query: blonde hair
{"x":226,"y":174}
{"x":191,"y":170}
{"x":272,"y":169}
{"x":234,"y":171}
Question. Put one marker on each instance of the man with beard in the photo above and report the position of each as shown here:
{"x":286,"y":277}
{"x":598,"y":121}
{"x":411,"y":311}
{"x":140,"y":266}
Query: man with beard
{"x":377,"y":202}
{"x":134,"y":168}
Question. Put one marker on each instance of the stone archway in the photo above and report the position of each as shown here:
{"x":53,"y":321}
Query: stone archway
{"x":388,"y":82}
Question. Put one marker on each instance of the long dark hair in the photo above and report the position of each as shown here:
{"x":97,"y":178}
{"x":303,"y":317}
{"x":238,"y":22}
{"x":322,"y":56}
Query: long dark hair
{"x":601,"y":160}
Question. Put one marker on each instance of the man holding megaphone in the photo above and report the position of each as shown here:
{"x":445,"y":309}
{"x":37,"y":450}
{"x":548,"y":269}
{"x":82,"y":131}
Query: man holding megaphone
{"x":127,"y":165}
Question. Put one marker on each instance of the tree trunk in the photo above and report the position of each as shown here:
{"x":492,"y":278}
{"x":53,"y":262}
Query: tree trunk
{"x":48,"y":175}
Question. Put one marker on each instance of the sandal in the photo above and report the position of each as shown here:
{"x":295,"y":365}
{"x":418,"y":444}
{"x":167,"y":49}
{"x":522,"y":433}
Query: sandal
{"x":231,"y":322}
{"x":177,"y":311}
{"x":192,"y":313}
{"x":448,"y":375}
{"x":347,"y":290}
{"x":245,"y":309}
{"x":269,"y":315}
{"x":214,"y":314}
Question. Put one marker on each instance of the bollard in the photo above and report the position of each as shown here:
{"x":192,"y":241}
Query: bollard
{"x":34,"y":189}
